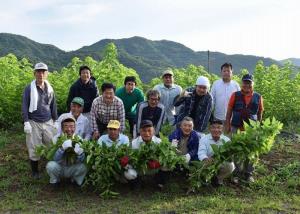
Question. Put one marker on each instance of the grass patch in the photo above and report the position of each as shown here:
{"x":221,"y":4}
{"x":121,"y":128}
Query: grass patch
{"x":276,"y":189}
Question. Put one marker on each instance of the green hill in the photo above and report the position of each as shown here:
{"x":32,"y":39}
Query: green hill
{"x":149,"y":58}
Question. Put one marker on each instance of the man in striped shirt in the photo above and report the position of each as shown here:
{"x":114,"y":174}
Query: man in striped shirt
{"x":105,"y":108}
{"x":197,"y":104}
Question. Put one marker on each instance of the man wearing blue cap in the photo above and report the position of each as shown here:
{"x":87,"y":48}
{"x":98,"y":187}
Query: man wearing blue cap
{"x":243,"y":106}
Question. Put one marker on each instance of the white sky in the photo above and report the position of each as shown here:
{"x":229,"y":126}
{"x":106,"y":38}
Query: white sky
{"x":267,"y":28}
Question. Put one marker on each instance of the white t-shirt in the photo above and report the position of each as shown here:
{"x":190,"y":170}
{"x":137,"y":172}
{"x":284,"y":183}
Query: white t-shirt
{"x":221,"y":93}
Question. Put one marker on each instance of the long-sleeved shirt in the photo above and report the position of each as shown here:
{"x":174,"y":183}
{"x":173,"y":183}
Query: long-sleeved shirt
{"x":83,"y":127}
{"x":221,"y":92}
{"x":105,"y":112}
{"x":145,"y":112}
{"x":60,"y":159}
{"x":46,"y":106}
{"x":130,"y":101}
{"x":136,"y":143}
{"x":122,"y":140}
{"x":197,"y":107}
{"x":205,"y":150}
{"x":192,"y":142}
{"x":167,"y":96}
{"x":88,"y":92}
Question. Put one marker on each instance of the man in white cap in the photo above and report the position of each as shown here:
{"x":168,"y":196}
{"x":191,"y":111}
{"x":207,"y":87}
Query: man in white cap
{"x":196,"y":103}
{"x":39,"y":113}
{"x":221,"y":91}
{"x":168,"y":91}
{"x":68,"y":160}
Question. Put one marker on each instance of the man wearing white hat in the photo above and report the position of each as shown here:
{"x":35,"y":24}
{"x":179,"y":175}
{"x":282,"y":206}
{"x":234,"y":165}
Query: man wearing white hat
{"x":196,"y":103}
{"x":168,"y":91}
{"x":39,"y":112}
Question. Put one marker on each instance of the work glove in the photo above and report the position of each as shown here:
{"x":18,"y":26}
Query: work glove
{"x":174,"y":143}
{"x":187,"y":158}
{"x":27,"y":128}
{"x":78,"y":150}
{"x":66,"y":144}
{"x":130,"y":174}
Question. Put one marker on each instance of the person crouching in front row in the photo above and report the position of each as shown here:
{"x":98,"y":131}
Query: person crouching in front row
{"x":62,"y":165}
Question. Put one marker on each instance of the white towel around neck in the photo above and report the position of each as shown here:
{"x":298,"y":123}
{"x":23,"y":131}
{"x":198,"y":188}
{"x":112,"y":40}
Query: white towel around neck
{"x":34,"y":95}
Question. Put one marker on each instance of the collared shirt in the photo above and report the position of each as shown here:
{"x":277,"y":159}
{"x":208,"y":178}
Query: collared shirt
{"x":221,"y":93}
{"x":167,"y":96}
{"x":136,"y":143}
{"x":83,"y":128}
{"x":205,"y":150}
{"x":105,"y":112}
{"x":122,"y":139}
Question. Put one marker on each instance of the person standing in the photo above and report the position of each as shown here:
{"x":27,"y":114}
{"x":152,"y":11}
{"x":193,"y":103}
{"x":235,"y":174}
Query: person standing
{"x":39,"y":112}
{"x":83,"y":128}
{"x":86,"y":88}
{"x":131,"y":97}
{"x":197,"y":104}
{"x":105,"y":108}
{"x":168,"y":91}
{"x":243,"y":106}
{"x":221,"y":91}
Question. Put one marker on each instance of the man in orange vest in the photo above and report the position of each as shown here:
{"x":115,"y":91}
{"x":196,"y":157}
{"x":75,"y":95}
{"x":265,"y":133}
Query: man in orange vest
{"x":243,"y":106}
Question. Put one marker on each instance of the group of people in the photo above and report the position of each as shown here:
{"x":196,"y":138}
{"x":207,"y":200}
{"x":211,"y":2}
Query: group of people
{"x":199,"y":116}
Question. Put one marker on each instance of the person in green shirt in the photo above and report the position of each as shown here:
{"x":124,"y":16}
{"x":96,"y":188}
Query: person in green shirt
{"x":131,"y":96}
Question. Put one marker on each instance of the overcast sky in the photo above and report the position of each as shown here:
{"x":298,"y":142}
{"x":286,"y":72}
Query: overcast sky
{"x":267,"y":28}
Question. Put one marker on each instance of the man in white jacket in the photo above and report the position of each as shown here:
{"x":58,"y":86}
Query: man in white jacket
{"x":83,"y":128}
{"x":39,"y":114}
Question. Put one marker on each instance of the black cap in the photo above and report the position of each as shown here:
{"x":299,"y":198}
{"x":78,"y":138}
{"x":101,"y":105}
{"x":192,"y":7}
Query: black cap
{"x":247,"y":77}
{"x":146,"y":123}
{"x":216,"y":121}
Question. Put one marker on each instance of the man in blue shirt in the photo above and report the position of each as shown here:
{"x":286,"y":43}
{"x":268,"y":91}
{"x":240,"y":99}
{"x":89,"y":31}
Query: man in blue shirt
{"x":61,"y":166}
{"x":114,"y":136}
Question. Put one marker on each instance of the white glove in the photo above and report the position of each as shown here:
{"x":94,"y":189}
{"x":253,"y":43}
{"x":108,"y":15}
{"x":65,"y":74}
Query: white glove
{"x":66,"y":144}
{"x":27,"y":128}
{"x":130,"y":174}
{"x":77,"y":149}
{"x":174,"y":143}
{"x":56,"y":125}
{"x":187,"y":158}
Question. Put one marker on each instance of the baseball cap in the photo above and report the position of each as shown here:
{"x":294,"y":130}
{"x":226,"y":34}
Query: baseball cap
{"x":146,"y":123}
{"x":247,"y":77}
{"x":68,"y":119}
{"x":167,"y":72}
{"x":78,"y":100}
{"x":40,"y":66}
{"x":114,"y":124}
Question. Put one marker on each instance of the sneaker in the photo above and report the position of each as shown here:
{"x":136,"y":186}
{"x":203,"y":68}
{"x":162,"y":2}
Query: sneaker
{"x":235,"y":180}
{"x":250,"y":179}
{"x":160,"y":186}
